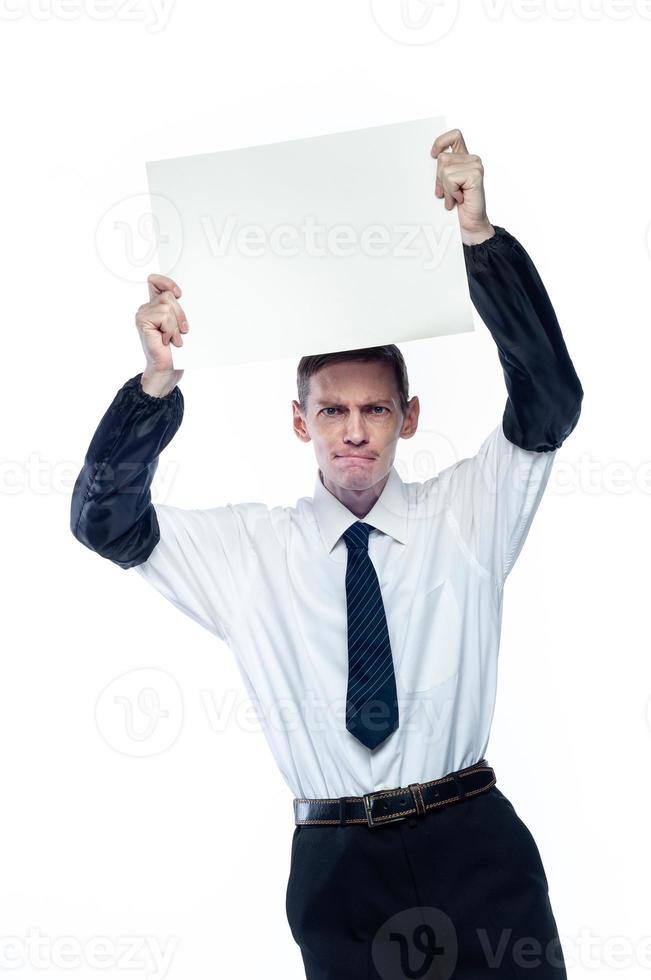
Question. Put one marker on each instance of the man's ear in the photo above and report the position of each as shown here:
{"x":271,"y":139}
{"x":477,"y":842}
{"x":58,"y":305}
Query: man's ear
{"x":410,"y":423}
{"x":298,"y":422}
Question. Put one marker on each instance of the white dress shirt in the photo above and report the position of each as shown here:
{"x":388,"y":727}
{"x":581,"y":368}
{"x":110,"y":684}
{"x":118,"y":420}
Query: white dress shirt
{"x":270,"y":582}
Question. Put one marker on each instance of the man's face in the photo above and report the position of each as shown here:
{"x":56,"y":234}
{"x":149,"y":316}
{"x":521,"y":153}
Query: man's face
{"x":354,"y":419}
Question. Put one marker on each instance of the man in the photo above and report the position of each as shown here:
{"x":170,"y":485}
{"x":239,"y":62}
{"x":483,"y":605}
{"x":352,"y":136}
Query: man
{"x":375,"y":609}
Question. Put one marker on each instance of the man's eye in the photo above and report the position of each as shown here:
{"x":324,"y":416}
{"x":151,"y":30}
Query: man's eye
{"x":382,"y":408}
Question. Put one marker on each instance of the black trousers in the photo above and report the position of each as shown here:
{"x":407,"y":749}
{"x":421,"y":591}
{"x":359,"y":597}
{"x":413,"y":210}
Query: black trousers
{"x":457,"y":894}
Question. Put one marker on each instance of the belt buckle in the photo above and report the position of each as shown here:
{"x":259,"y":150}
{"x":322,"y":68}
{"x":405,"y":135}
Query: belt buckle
{"x":369,"y":816}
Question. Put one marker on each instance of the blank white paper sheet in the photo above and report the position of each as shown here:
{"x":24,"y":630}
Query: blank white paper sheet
{"x":310,"y":246}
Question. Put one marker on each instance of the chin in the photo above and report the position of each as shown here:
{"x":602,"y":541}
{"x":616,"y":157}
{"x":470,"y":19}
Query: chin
{"x":352,"y":475}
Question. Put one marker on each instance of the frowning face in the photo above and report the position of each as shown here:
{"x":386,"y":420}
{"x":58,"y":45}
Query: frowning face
{"x":353,"y":417}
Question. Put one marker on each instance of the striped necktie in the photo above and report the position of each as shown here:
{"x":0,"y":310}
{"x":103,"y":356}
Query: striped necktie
{"x":371,"y":704}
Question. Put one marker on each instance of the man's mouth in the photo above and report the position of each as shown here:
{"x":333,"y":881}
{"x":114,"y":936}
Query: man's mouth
{"x":354,"y":456}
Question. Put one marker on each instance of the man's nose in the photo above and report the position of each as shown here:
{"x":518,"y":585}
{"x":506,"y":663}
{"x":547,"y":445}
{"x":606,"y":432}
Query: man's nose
{"x":355,"y":428}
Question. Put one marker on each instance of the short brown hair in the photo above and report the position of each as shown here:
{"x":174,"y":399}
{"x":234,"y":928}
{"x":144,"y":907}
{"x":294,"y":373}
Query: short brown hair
{"x":388,"y":354}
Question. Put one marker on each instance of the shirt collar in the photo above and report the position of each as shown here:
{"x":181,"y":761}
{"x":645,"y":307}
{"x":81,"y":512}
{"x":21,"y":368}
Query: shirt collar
{"x":388,"y":514}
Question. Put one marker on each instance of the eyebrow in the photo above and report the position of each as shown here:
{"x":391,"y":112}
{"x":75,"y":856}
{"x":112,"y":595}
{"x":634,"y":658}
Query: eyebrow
{"x":379,"y":401}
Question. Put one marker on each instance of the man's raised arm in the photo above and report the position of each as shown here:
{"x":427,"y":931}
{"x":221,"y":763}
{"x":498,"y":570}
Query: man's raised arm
{"x":544,"y":392}
{"x":111,"y":510}
{"x":491,"y":498}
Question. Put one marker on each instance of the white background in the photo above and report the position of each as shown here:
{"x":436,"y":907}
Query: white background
{"x":166,"y":848}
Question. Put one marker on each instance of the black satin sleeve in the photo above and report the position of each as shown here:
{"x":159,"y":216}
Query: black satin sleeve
{"x":544,"y":392}
{"x":111,"y":510}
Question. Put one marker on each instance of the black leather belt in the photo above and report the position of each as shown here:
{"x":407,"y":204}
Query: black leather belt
{"x":387,"y":805}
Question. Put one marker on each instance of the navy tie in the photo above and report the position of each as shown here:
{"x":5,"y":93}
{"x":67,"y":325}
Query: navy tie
{"x":371,"y":704}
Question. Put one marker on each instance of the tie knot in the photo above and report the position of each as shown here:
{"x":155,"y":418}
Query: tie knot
{"x":357,"y":535}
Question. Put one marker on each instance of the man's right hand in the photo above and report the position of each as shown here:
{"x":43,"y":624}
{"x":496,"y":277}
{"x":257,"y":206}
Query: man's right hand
{"x":161,"y":322}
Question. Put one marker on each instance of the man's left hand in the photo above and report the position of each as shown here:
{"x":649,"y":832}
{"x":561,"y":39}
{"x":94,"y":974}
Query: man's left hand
{"x":460,"y":180}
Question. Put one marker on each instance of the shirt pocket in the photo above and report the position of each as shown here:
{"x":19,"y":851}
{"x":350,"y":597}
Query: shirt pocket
{"x":431,"y":653}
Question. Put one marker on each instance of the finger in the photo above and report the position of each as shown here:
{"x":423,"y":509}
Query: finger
{"x":446,"y":183}
{"x":181,"y":318}
{"x":456,"y":173}
{"x":467,"y":177}
{"x":158,"y":283}
{"x":452,"y":139}
{"x":448,"y":161}
{"x":452,"y":189}
{"x":164,"y":317}
{"x":169,"y":327}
